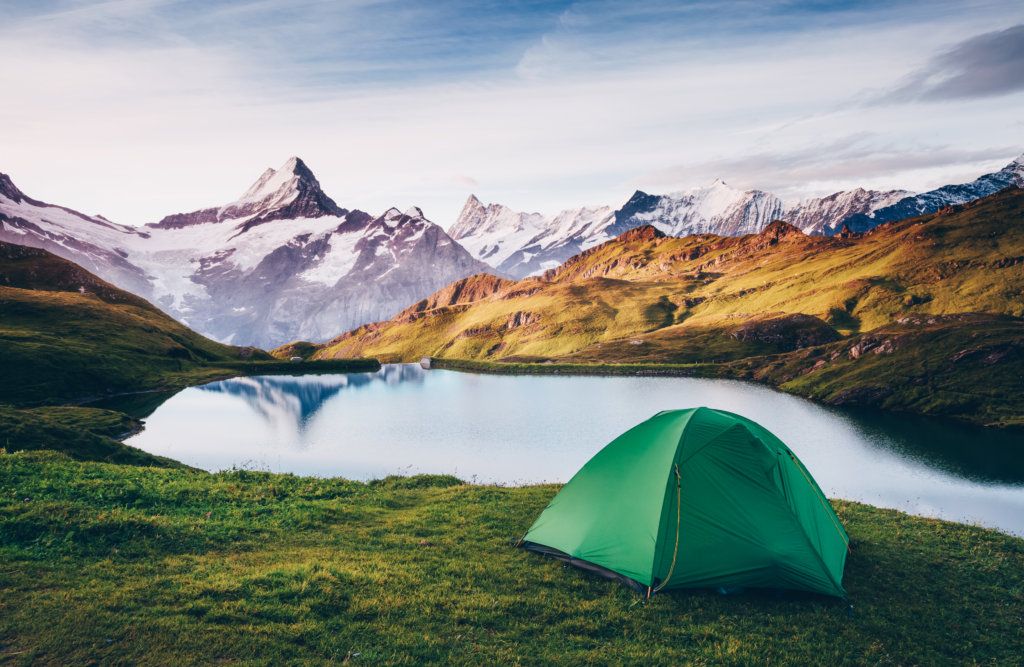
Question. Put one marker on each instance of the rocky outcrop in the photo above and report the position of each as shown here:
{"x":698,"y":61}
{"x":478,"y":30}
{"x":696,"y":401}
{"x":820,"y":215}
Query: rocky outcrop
{"x":521,"y":319}
{"x":789,"y":331}
{"x":990,"y":355}
{"x":467,"y":290}
{"x":867,"y":395}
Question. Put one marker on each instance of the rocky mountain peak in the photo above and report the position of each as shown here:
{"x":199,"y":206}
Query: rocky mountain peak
{"x":473,"y":215}
{"x":415,"y":212}
{"x":10,"y":190}
{"x":641,"y":234}
{"x":287,"y":193}
{"x":1017,"y":169}
{"x":779,"y":229}
{"x":293,"y":177}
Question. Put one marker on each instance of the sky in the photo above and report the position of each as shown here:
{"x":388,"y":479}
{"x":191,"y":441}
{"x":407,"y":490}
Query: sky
{"x":137,"y":109}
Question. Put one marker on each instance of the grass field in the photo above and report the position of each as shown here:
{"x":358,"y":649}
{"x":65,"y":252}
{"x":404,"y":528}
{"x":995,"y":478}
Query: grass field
{"x":118,"y":565}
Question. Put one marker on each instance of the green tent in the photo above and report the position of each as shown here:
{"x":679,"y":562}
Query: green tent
{"x":696,"y":498}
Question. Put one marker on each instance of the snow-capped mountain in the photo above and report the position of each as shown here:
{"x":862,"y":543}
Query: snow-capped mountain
{"x":91,"y":241}
{"x":947,"y":195}
{"x":523,"y":244}
{"x":281,"y":263}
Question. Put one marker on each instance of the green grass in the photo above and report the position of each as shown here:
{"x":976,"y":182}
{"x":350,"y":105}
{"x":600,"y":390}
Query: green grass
{"x":918,"y":374}
{"x":87,"y":434}
{"x":115,"y":565}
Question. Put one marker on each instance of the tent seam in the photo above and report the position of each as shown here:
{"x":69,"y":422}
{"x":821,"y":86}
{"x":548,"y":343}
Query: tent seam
{"x":814,"y":550}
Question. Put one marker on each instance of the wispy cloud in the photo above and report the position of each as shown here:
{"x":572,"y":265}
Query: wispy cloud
{"x":139,"y":108}
{"x":464,"y":181}
{"x":988,"y":65}
{"x":849,"y":160}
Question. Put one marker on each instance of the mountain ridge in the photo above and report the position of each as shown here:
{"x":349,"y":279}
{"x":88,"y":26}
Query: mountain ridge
{"x":922,"y":295}
{"x":524,"y":244}
{"x":283,"y":261}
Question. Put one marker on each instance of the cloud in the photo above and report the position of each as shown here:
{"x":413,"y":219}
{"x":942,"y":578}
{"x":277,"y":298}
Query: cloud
{"x":140,"y":108}
{"x":851,"y":159}
{"x":464,"y":181}
{"x":988,"y":65}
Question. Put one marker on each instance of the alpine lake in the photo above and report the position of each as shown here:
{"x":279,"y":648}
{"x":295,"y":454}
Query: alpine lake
{"x":516,"y":430}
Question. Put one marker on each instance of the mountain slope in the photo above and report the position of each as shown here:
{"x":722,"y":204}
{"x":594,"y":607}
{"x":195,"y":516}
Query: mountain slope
{"x":283,"y":261}
{"x":93,"y":242}
{"x":66,"y":334}
{"x":524,"y":244}
{"x":932,"y":201}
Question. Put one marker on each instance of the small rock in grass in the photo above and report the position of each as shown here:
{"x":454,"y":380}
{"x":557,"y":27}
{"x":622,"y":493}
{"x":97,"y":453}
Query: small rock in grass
{"x":424,"y":543}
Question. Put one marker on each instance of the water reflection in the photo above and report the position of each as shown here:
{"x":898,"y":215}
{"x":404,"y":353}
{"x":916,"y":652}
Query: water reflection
{"x":543,"y":428}
{"x":288,"y":402}
{"x":962,"y":450}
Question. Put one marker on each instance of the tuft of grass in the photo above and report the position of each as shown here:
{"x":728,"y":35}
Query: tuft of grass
{"x":106,"y":564}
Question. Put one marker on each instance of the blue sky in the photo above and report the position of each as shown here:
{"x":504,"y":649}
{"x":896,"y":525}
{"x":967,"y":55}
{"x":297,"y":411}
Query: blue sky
{"x":141,"y":108}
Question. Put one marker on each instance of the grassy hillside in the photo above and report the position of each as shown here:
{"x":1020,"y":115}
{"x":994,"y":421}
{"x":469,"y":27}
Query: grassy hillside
{"x":644,"y":298}
{"x":122,"y":565}
{"x":969,"y":367}
{"x":66,"y":335}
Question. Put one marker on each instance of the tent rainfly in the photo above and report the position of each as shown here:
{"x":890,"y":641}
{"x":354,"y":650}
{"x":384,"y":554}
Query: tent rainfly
{"x":692,"y":499}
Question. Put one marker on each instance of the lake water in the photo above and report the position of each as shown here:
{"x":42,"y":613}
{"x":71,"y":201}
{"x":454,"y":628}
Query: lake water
{"x":528,"y":429}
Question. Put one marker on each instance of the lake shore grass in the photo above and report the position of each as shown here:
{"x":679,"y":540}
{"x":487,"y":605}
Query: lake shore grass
{"x":114,"y":565}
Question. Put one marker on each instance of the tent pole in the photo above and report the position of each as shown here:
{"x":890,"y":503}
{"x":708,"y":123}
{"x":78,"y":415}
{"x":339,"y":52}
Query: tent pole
{"x":679,"y":510}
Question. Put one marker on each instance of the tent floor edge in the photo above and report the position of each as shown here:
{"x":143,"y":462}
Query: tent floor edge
{"x":586,"y":565}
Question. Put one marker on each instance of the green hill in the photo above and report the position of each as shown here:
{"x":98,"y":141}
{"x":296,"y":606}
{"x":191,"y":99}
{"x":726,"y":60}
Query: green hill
{"x":769,"y":299}
{"x":67,"y":334}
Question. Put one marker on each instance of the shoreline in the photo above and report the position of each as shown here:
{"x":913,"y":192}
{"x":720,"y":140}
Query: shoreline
{"x":724,"y":371}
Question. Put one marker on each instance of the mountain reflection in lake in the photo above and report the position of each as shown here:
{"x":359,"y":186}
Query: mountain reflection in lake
{"x":288,"y":402}
{"x":520,"y":429}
